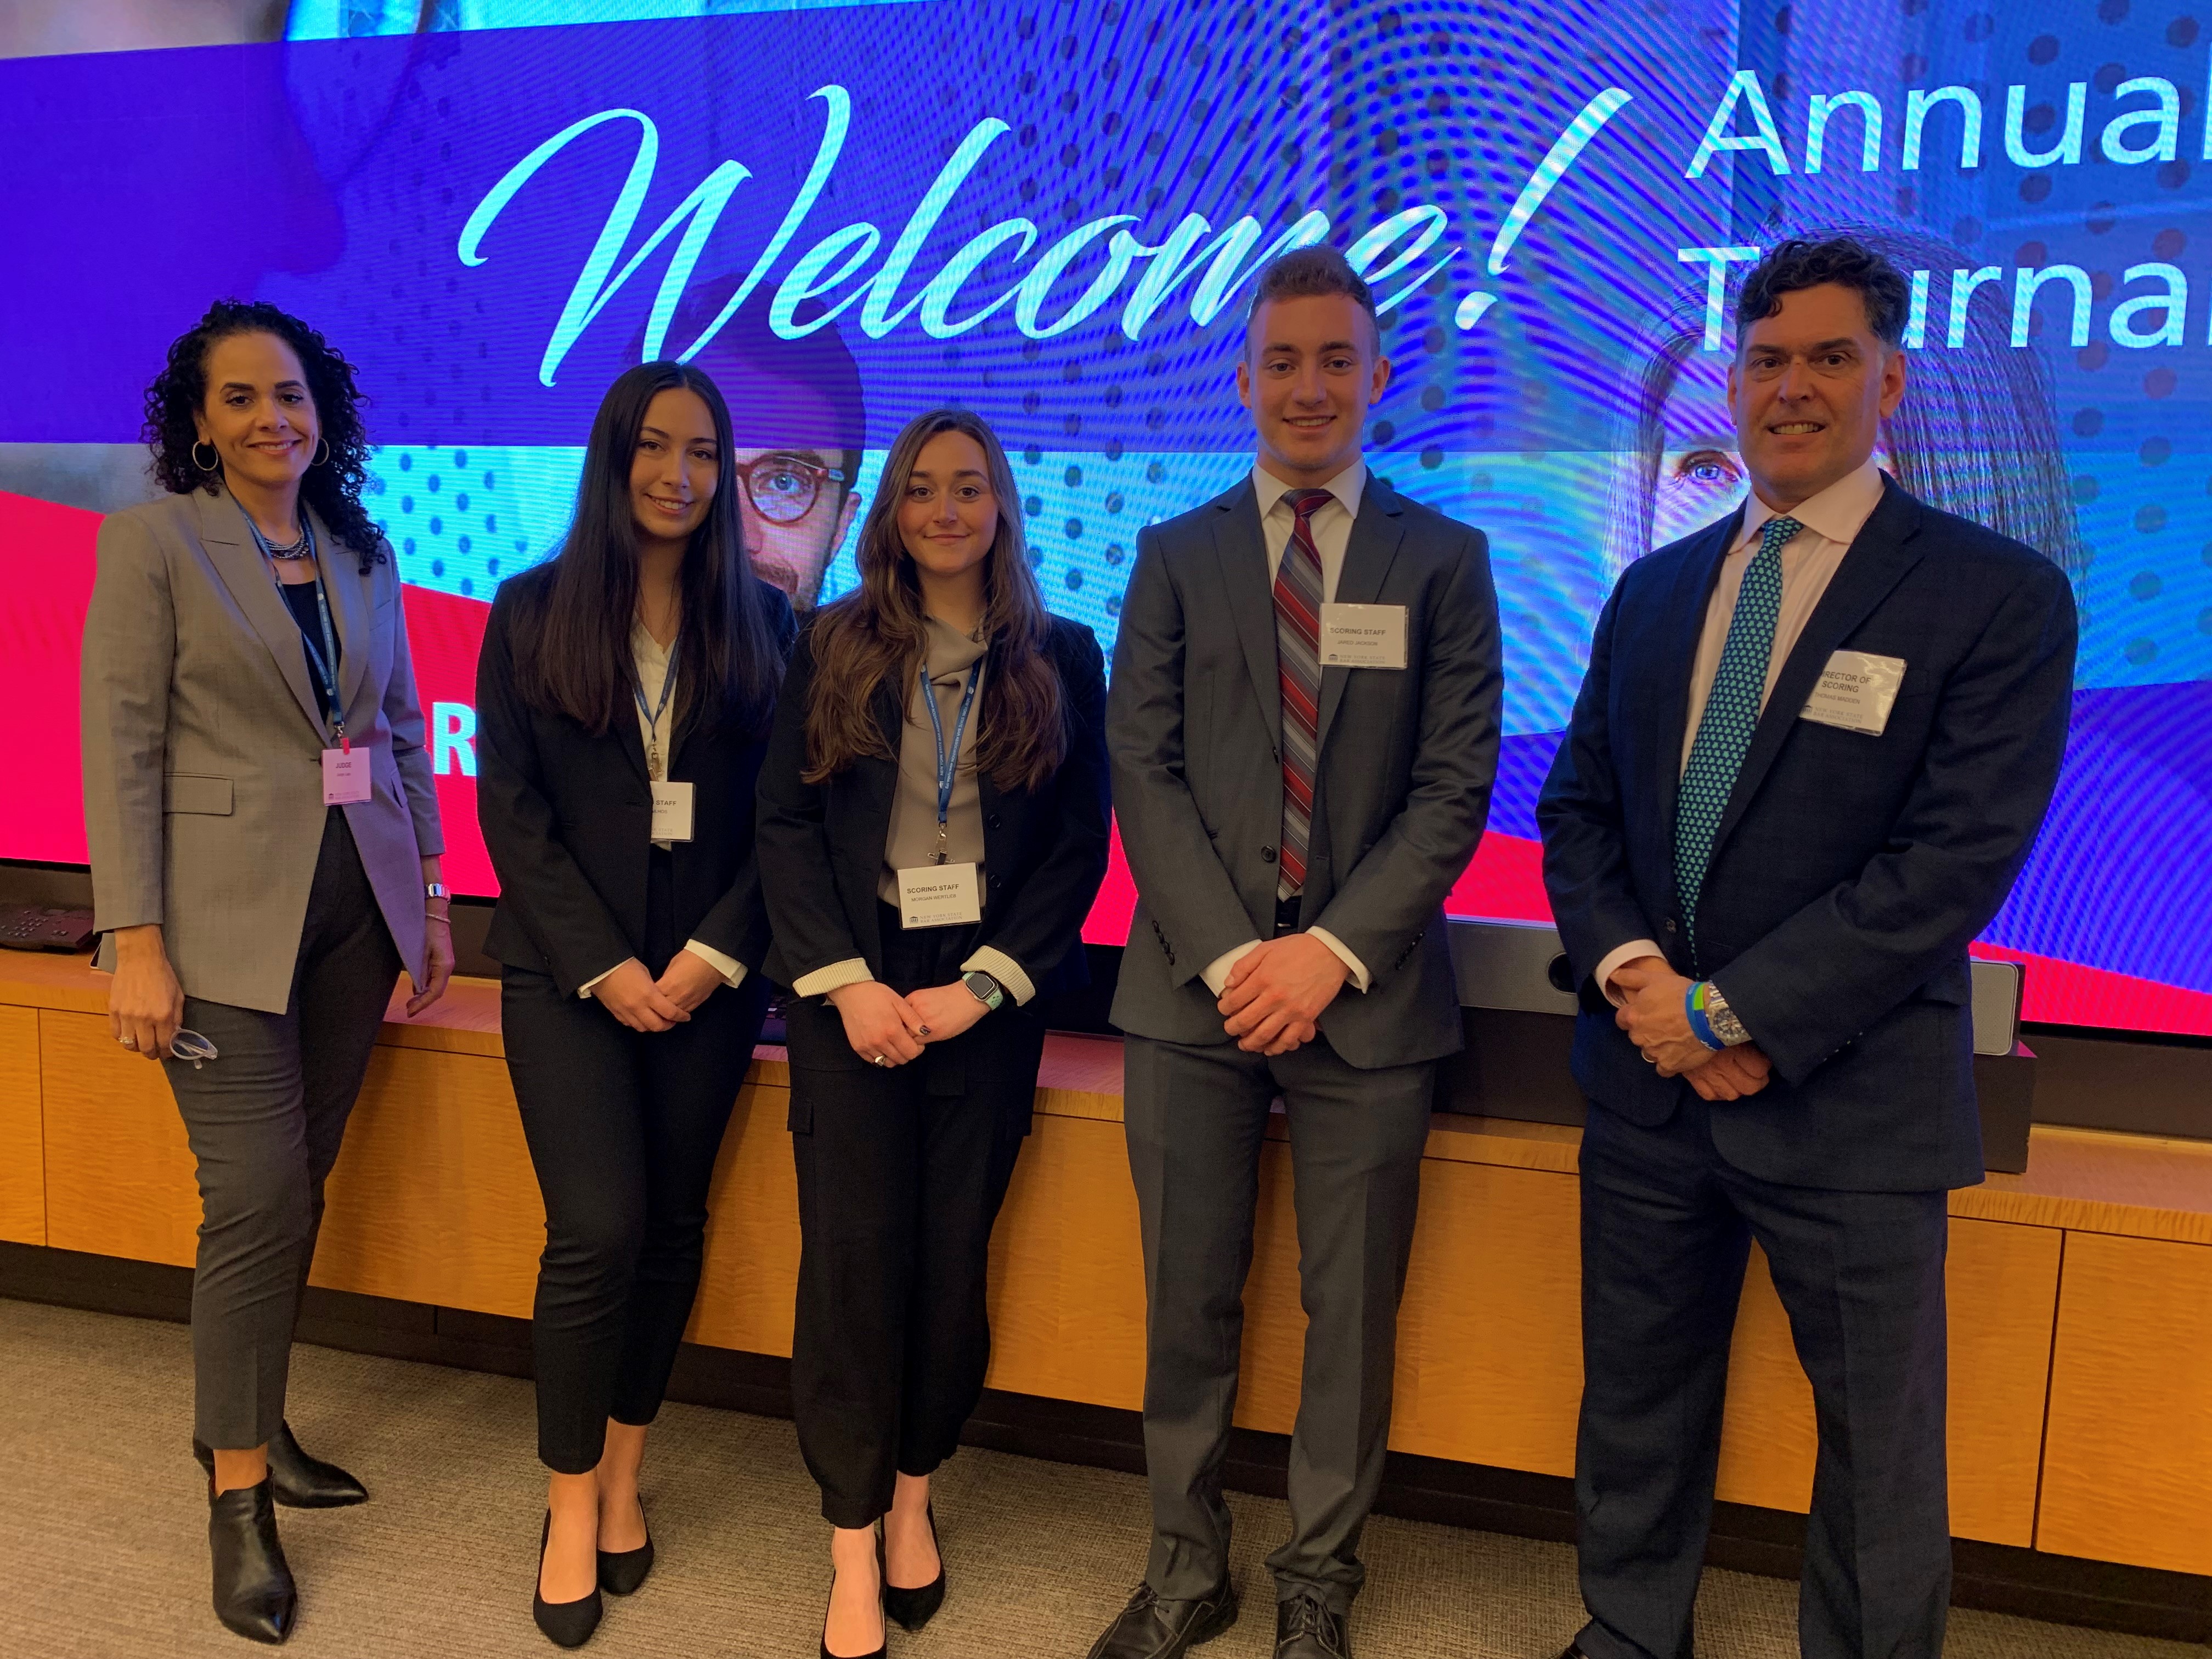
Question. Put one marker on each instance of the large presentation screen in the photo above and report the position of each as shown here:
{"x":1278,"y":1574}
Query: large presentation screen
{"x":1050,"y":212}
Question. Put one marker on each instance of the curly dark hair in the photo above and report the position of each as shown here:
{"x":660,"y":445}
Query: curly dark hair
{"x":1844,"y":260}
{"x":333,"y":486}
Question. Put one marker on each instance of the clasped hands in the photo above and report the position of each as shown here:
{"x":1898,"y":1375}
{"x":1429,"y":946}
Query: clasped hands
{"x":1659,"y":1025}
{"x":640,"y":1001}
{"x":1276,"y":991}
{"x":887,"y":1029}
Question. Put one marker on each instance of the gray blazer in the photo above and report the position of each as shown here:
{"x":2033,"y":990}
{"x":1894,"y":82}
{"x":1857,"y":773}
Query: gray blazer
{"x":1402,"y":787}
{"x":202,"y":769}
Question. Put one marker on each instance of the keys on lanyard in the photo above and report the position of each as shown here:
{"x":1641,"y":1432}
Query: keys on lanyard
{"x":948,"y":761}
{"x":653,"y":768}
{"x":672,"y":801}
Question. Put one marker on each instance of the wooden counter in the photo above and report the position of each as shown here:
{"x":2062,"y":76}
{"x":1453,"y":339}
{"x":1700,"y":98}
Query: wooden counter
{"x":2080,"y":1292}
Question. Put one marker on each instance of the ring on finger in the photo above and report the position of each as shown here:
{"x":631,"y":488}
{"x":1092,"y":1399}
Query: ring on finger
{"x":128,"y":1042}
{"x":880,"y":1060}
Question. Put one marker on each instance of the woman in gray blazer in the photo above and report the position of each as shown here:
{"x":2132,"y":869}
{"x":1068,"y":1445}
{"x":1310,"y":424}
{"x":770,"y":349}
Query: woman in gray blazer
{"x":265,"y":858}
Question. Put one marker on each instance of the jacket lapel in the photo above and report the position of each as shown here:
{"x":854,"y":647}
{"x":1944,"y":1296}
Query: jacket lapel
{"x":1368,"y":555}
{"x":1682,"y":624}
{"x":238,"y":565}
{"x":1243,"y":557}
{"x":1876,"y":562}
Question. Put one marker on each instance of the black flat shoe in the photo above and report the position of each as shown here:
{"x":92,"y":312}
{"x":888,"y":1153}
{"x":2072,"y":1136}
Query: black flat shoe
{"x":297,"y":1481}
{"x":880,"y":1650}
{"x":913,"y":1609}
{"x":566,"y":1624}
{"x":254,"y":1596}
{"x":621,"y":1572}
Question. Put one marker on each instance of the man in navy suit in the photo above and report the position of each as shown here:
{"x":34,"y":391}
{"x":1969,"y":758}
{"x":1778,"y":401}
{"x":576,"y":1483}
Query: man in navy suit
{"x":1815,"y":746}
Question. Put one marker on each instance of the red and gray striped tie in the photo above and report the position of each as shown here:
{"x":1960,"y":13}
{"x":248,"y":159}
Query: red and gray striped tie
{"x":1298,"y":654}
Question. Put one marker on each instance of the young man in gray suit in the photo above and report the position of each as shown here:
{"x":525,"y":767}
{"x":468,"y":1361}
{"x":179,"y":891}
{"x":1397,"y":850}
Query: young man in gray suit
{"x":1303,"y":728}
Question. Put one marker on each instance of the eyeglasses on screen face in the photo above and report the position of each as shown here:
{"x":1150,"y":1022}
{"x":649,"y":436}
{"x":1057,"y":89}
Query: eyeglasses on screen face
{"x":783,"y":488}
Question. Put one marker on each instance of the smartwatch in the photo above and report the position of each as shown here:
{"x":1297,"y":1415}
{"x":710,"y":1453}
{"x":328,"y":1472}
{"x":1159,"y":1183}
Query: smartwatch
{"x":983,"y":988}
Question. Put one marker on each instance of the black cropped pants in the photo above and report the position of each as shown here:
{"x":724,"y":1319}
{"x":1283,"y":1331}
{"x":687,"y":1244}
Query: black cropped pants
{"x":623,"y":1128}
{"x":902,"y":1171}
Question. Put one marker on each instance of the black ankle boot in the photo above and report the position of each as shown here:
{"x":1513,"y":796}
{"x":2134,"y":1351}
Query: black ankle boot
{"x":254,"y":1596}
{"x":566,"y":1624}
{"x":299,"y":1481}
{"x":913,"y":1609}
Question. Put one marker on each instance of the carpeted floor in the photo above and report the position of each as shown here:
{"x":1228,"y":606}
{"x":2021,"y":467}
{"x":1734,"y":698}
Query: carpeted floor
{"x":105,"y":1538}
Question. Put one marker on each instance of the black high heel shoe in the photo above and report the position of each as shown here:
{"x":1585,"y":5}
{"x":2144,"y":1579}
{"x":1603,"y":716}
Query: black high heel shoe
{"x":296,"y":1481}
{"x":566,"y":1624}
{"x":880,"y":1647}
{"x":254,"y":1594}
{"x":914,"y":1609}
{"x":621,"y":1572}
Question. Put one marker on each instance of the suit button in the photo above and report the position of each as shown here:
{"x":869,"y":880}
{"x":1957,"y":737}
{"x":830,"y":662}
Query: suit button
{"x":1268,"y":854}
{"x":1670,"y":925}
{"x":990,"y":822}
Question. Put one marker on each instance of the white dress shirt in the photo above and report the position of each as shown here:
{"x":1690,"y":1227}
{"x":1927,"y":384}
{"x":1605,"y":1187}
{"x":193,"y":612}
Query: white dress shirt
{"x":1331,"y":527}
{"x":655,"y":662}
{"x":1832,"y":520}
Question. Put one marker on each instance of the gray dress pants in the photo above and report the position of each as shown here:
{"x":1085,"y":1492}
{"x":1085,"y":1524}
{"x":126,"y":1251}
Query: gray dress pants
{"x":1195,"y":1118}
{"x":264,"y":1119}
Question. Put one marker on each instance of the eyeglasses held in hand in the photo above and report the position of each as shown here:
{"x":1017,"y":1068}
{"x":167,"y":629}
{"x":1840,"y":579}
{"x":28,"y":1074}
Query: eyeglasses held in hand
{"x":191,"y":1045}
{"x":783,"y":488}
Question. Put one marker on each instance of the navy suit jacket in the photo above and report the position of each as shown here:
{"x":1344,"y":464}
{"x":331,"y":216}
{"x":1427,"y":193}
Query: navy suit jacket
{"x":1851,"y":872}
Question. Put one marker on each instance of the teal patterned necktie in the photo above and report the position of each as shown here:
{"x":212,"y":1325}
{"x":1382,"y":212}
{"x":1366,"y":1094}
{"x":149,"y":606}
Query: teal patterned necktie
{"x":1731,"y":715}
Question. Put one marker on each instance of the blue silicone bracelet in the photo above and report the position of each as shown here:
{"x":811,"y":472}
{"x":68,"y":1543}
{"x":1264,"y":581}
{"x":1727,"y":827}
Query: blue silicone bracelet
{"x":1701,"y":1027}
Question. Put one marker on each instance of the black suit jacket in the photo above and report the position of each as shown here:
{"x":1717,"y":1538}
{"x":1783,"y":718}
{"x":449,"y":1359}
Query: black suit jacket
{"x":1850,"y":871}
{"x":567,"y":818}
{"x":1044,"y":853}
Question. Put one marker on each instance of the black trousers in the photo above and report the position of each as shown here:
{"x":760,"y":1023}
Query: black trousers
{"x":1666,"y":1229}
{"x":623,"y":1129}
{"x":264,"y":1119}
{"x":902,"y":1171}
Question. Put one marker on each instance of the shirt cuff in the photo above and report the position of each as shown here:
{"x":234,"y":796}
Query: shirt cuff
{"x":1618,"y":959}
{"x":1344,"y":955}
{"x":854,"y":970}
{"x":585,"y":989}
{"x":732,"y":970}
{"x":1003,"y":969}
{"x":1216,"y":973}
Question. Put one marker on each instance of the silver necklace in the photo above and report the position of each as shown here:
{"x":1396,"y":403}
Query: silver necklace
{"x":304,"y":548}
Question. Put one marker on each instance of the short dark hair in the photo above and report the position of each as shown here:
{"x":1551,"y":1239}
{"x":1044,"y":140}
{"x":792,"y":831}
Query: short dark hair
{"x":1841,"y":260}
{"x":1304,"y":273}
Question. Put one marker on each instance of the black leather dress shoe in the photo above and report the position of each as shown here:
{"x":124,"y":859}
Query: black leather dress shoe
{"x":622,"y":1572}
{"x":1306,"y":1628}
{"x":913,"y":1609}
{"x":254,"y":1596}
{"x":1151,"y":1627}
{"x":299,"y":1481}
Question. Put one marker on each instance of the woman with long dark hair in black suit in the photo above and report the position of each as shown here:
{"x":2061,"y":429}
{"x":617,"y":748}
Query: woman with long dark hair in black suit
{"x":623,"y":696}
{"x":932,"y":832}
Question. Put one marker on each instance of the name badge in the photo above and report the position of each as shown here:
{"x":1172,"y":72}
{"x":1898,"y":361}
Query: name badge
{"x":671,"y":812}
{"x":1363,"y":636}
{"x":938,"y":895}
{"x":1857,"y":691}
{"x":346,"y":776}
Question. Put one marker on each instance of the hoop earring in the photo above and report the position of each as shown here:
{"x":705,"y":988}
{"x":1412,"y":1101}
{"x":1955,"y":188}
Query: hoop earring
{"x":325,"y":445}
{"x":210,"y":467}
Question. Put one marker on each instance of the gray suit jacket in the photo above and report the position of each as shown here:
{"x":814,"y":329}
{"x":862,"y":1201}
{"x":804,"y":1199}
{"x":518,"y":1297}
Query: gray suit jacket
{"x":1403,"y":786}
{"x":202,"y":769}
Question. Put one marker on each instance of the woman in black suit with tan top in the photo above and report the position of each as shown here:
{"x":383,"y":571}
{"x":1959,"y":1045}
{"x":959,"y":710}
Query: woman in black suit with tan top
{"x":623,"y":696}
{"x":932,"y":832}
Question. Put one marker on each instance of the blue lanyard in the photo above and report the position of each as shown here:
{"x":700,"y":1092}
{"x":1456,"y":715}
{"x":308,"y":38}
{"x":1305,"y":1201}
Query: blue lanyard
{"x":324,"y":661}
{"x":948,"y":765}
{"x":653,"y":715}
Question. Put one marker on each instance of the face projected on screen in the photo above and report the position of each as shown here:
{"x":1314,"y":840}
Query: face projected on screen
{"x":797,"y":504}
